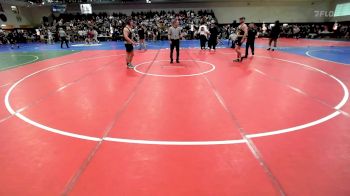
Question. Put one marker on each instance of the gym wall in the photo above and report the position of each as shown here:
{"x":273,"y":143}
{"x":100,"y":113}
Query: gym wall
{"x":14,"y":20}
{"x":226,"y":12}
{"x":341,"y":18}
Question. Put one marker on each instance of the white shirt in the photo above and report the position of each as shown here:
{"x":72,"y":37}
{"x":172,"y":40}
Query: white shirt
{"x":95,"y":34}
{"x":174,"y":33}
{"x":205,"y":27}
{"x":62,"y":33}
{"x":233,"y":36}
{"x":203,"y":32}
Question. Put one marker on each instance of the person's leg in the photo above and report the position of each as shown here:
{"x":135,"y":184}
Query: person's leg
{"x":202,"y":41}
{"x":67,"y":43}
{"x":246,"y":49}
{"x":171,"y":51}
{"x":131,"y":56}
{"x":62,"y":42}
{"x":214,"y":44}
{"x":127,"y":58}
{"x":270,"y":41}
{"x":177,"y":51}
{"x":238,"y":51}
{"x":252,"y":47}
{"x":275,"y":43}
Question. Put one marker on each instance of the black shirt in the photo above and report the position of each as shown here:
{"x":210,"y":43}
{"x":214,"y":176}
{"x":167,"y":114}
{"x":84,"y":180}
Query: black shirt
{"x":141,"y":33}
{"x":213,"y":33}
{"x":275,"y":32}
{"x":10,"y":36}
{"x":251,"y":34}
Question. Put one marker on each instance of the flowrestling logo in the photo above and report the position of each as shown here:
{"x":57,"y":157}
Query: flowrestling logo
{"x":324,"y":13}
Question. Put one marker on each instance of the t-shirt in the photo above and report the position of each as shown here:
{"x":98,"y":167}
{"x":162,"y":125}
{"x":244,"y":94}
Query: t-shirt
{"x":275,"y":31}
{"x":174,"y":33}
{"x":213,"y":32}
{"x":233,"y":36}
{"x":203,"y":31}
{"x":62,"y":33}
{"x":252,"y":34}
{"x":95,"y":33}
{"x":141,"y":33}
{"x":204,"y":26}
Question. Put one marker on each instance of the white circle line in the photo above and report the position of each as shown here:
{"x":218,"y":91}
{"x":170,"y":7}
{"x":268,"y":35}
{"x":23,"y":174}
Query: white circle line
{"x":85,"y":45}
{"x":183,"y":143}
{"x":313,"y":123}
{"x":175,"y":143}
{"x":31,"y":61}
{"x":174,"y":76}
{"x":308,"y":53}
{"x":41,"y":126}
{"x":345,"y":89}
{"x":296,"y":128}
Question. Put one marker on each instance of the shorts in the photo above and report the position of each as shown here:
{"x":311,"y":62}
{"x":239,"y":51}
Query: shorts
{"x":238,"y":42}
{"x":129,"y":47}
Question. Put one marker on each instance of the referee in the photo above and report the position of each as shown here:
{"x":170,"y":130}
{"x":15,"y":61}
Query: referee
{"x":63,"y":37}
{"x":174,"y":35}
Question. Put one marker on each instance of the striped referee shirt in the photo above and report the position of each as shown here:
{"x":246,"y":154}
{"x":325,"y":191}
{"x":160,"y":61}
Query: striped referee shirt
{"x":174,"y":33}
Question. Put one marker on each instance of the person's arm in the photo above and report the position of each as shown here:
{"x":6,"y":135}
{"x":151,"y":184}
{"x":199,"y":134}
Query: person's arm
{"x":180,"y":33}
{"x":245,"y":30}
{"x":218,"y":33}
{"x":169,"y":35}
{"x":126,"y":36}
{"x":207,"y":32}
{"x":279,"y":32}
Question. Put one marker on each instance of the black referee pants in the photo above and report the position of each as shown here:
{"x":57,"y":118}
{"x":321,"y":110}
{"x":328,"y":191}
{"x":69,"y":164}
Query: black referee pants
{"x":175,"y":43}
{"x":249,"y":44}
{"x":203,"y":40}
{"x":64,"y":40}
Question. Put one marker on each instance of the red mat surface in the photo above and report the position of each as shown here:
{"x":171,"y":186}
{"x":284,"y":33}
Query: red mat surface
{"x":83,"y":124}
